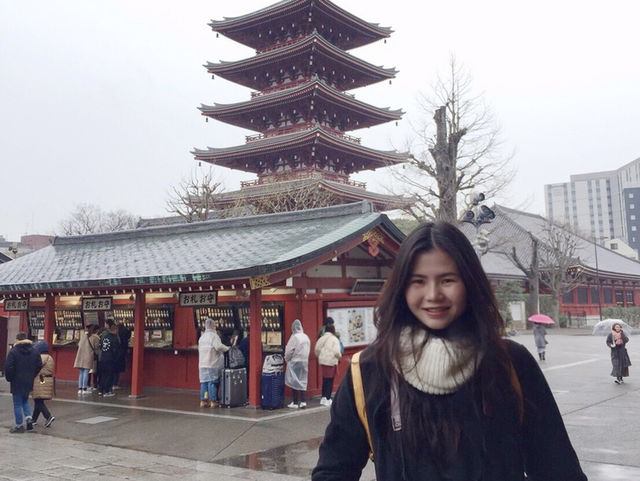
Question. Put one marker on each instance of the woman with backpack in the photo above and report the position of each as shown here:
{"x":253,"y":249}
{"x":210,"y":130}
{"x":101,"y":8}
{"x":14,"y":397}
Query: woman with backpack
{"x":443,"y":395}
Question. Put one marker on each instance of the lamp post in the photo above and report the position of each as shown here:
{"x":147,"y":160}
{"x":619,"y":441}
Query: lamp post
{"x":477,"y":215}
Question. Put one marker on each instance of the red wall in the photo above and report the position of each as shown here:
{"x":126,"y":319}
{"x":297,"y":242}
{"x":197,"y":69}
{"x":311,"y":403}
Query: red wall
{"x":178,"y":367}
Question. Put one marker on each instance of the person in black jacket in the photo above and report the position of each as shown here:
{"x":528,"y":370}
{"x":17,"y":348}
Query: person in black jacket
{"x":22,"y":366}
{"x":124,"y":335}
{"x":446,"y":396}
{"x":109,"y":353}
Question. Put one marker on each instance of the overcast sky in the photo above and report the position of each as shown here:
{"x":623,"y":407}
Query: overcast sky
{"x":98,"y":99}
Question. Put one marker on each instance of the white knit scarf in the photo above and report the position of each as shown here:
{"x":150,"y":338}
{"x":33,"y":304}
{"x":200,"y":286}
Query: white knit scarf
{"x":441,"y":367}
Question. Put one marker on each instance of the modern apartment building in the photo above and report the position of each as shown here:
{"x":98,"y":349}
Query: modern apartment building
{"x":603,"y":205}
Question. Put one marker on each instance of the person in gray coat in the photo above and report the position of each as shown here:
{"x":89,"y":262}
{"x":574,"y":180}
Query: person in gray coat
{"x":540,"y":338}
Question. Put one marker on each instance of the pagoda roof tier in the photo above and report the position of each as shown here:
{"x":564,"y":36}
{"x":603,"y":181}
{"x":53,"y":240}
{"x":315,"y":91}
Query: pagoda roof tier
{"x":267,"y":70}
{"x":310,"y":146}
{"x":294,"y":103}
{"x":263,"y":28}
{"x":346,"y":192}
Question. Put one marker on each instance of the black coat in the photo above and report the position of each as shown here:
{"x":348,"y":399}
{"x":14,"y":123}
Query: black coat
{"x":620,"y":361}
{"x":539,"y":445}
{"x":22,"y":366}
{"x":124,"y":335}
{"x":109,"y":349}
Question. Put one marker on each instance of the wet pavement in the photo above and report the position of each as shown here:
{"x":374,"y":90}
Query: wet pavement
{"x":167,"y":434}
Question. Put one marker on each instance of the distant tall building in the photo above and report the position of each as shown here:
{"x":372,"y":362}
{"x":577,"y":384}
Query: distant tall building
{"x":605,"y":205}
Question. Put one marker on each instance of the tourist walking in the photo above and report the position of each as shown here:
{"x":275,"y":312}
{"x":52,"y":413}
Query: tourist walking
{"x":540,"y":338}
{"x":617,"y":341}
{"x":442,"y":395}
{"x":43,"y":384}
{"x":296,"y":355}
{"x":328,"y":352}
{"x":21,"y":367}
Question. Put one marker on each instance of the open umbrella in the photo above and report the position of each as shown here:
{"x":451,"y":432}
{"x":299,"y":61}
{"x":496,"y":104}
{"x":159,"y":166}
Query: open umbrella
{"x":541,"y":319}
{"x":604,"y":327}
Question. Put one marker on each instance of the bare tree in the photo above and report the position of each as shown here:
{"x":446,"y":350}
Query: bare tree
{"x":557,"y":261}
{"x":527,"y":262}
{"x":464,"y":154}
{"x":308,"y":196}
{"x":193,"y":198}
{"x":549,"y":260}
{"x":91,"y":219}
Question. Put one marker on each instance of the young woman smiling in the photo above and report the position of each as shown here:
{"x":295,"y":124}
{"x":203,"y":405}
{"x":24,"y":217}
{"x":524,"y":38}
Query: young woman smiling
{"x":447,"y":398}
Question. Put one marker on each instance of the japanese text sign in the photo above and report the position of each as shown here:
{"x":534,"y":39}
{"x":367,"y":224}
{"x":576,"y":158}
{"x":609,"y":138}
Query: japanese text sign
{"x":96,"y":303}
{"x":198,"y":299}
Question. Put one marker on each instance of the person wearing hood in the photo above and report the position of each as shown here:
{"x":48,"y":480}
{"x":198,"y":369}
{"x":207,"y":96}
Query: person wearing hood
{"x":22,"y":366}
{"x":296,"y":354}
{"x":43,"y":384}
{"x":210,"y":364}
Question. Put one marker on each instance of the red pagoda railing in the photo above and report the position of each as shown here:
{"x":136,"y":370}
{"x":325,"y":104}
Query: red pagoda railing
{"x":301,"y":128}
{"x":279,"y":87}
{"x":307,"y":174}
{"x":280,"y":44}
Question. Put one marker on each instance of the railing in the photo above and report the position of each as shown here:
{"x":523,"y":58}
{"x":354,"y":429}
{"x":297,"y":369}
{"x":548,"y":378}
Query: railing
{"x":574,"y":319}
{"x":301,"y":175}
{"x":350,"y":138}
{"x":300,"y":128}
{"x":280,"y":44}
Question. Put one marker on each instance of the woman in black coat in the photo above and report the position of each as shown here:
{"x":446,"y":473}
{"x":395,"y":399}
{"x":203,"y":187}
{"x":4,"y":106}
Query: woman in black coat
{"x":21,"y":367}
{"x":120,"y":366}
{"x":446,"y":397}
{"x":620,"y":362}
{"x":108,"y":358}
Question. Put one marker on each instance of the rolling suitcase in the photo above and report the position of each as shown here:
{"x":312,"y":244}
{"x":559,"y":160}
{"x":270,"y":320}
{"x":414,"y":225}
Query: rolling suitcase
{"x":272,"y":382}
{"x":272,"y":390}
{"x":233,"y":390}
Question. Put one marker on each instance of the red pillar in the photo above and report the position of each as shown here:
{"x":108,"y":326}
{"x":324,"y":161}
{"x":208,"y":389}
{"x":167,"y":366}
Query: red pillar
{"x":138,"y":345}
{"x":49,"y":318}
{"x":255,"y":346}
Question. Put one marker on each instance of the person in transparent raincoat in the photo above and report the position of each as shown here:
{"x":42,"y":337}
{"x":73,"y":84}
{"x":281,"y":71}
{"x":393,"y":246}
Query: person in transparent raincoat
{"x":296,"y":355}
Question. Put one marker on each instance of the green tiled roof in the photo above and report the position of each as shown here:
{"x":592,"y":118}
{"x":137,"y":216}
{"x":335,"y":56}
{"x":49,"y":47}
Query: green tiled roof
{"x":204,"y":251}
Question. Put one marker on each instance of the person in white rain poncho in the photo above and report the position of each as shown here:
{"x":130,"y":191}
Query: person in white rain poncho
{"x":296,"y":354}
{"x":210,"y":364}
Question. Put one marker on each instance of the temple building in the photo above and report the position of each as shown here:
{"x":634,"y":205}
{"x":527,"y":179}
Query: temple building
{"x":300,"y":107}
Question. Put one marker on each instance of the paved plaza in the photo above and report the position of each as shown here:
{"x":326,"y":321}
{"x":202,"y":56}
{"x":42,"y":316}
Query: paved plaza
{"x":165,"y":435}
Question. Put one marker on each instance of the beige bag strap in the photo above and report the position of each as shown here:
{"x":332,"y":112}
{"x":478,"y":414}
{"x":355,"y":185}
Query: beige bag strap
{"x":358,"y":393}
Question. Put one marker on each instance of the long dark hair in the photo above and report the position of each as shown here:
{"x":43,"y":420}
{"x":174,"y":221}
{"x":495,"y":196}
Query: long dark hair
{"x":433,"y":417}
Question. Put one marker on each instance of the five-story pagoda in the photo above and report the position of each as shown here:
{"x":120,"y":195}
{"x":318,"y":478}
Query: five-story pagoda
{"x":299,"y":106}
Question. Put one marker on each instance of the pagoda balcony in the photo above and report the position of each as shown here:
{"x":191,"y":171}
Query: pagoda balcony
{"x":294,"y":83}
{"x":280,"y":44}
{"x":301,"y":128}
{"x":302,"y":175}
{"x":279,"y":87}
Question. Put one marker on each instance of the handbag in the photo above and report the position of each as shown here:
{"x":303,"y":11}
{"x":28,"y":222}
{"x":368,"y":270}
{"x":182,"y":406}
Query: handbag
{"x":236,"y":358}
